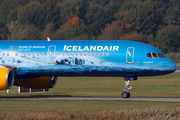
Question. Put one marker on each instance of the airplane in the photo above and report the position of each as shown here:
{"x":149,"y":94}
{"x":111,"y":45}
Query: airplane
{"x":37,"y":64}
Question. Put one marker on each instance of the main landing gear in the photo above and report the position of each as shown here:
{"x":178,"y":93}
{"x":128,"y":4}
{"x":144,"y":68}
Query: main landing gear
{"x":125,"y":93}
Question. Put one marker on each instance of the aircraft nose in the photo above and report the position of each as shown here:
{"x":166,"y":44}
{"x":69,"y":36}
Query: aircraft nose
{"x":170,"y":66}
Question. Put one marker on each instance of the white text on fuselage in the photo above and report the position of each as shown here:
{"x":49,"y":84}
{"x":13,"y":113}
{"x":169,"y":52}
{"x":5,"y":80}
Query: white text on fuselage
{"x":91,"y":48}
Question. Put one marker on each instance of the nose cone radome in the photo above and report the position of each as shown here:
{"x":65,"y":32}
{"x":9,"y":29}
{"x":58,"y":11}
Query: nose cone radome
{"x":171,"y":66}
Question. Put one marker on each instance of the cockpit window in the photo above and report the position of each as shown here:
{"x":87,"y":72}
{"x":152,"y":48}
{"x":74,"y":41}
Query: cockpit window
{"x":155,"y":55}
{"x":149,"y":55}
{"x":161,"y":55}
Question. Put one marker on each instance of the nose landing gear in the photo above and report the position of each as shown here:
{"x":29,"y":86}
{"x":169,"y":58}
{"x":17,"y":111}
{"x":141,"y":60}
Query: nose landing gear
{"x":125,"y":93}
{"x":128,"y":79}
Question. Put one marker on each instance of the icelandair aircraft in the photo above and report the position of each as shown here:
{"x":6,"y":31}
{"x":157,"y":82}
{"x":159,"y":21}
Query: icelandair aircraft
{"x":36,"y":64}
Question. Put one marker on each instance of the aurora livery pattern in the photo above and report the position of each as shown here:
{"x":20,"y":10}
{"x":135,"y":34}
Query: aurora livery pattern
{"x":35,"y":59}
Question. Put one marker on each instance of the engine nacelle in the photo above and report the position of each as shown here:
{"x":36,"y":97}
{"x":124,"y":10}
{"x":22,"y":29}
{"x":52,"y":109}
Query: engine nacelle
{"x":38,"y":83}
{"x":6,"y":78}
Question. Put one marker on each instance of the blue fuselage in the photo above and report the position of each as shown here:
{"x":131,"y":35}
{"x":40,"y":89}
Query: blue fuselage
{"x":84,"y":58}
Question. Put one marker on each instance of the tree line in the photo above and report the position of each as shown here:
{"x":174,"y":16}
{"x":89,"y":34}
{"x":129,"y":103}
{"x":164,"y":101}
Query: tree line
{"x":155,"y":22}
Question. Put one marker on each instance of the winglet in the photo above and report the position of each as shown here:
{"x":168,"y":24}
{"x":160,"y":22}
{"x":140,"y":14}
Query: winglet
{"x":48,"y":39}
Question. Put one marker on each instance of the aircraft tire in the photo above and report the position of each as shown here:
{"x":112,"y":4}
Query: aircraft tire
{"x":125,"y":95}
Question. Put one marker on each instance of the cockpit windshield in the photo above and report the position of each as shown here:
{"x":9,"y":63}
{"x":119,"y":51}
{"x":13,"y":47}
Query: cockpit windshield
{"x":161,"y":55}
{"x":155,"y":55}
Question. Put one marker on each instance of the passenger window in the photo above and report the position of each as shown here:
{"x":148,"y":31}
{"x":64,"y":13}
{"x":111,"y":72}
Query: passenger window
{"x":29,"y":54}
{"x":25,"y":54}
{"x":38,"y":54}
{"x":85,"y":54}
{"x":148,"y":55}
{"x":94,"y":54}
{"x":72,"y":54}
{"x":64,"y":54}
{"x":76,"y":54}
{"x":0,"y":54}
{"x":7,"y":54}
{"x":16,"y":54}
{"x":34,"y":54}
{"x":42,"y":54}
{"x":89,"y":54}
{"x":3,"y":54}
{"x":102,"y":54}
{"x":107,"y":54}
{"x":81,"y":54}
{"x":68,"y":54}
{"x":98,"y":54}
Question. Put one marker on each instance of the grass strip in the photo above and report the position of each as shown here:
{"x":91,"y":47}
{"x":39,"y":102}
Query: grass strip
{"x":159,"y":86}
{"x":78,"y":106}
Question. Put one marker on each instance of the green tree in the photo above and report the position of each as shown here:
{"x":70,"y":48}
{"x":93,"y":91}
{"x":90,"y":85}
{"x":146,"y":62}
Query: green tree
{"x":75,"y":33}
{"x":151,"y":16}
{"x":8,"y":6}
{"x":74,"y":29}
{"x":129,"y":4}
{"x":52,"y":13}
{"x":111,"y":32}
{"x":145,"y":18}
{"x":172,"y":14}
{"x":168,"y":39}
{"x":32,"y":13}
{"x":23,"y":32}
{"x":48,"y":31}
{"x":95,"y":13}
{"x":3,"y":31}
{"x":12,"y":16}
{"x":1,"y":1}
{"x":39,"y":14}
{"x":135,"y":37}
{"x":96,"y":18}
{"x":128,"y":20}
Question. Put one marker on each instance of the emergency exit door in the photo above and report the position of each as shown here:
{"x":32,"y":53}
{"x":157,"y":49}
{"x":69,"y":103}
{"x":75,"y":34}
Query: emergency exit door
{"x":130,"y":55}
{"x":51,"y":54}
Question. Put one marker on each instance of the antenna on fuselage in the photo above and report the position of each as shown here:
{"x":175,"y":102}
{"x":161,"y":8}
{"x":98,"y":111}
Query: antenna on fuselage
{"x":48,"y":39}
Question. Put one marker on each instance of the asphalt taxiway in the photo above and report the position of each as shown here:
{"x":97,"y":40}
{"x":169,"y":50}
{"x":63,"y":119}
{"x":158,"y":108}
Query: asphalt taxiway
{"x":78,"y":98}
{"x":177,"y":70}
{"x":162,"y":99}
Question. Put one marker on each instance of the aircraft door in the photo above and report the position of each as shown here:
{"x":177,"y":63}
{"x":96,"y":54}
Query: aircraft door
{"x":130,"y":55}
{"x":51,"y":54}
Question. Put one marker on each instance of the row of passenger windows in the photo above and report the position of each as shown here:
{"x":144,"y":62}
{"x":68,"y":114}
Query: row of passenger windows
{"x":64,"y":54}
{"x":25,"y":54}
{"x":155,"y":55}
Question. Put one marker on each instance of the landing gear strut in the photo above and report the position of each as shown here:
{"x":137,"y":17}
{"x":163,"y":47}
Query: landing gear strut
{"x":125,"y":93}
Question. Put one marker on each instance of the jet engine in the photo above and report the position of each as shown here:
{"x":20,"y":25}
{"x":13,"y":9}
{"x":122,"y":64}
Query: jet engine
{"x":38,"y":83}
{"x":6,"y":78}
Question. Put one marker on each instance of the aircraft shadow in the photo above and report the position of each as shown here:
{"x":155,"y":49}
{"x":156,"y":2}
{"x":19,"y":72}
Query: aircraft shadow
{"x":67,"y":96}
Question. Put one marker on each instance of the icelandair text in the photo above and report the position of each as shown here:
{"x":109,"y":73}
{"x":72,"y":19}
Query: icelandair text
{"x":91,"y":48}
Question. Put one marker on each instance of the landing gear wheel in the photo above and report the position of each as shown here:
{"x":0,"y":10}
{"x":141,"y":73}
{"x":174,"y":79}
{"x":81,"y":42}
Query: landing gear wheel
{"x":125,"y":95}
{"x":128,"y":94}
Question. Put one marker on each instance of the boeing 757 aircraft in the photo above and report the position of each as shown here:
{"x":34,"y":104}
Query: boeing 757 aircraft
{"x":37,"y":64}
